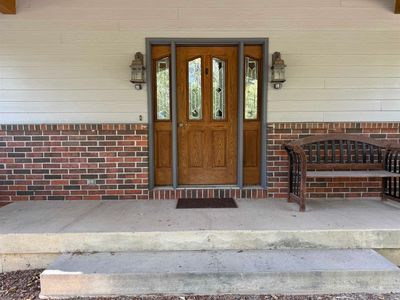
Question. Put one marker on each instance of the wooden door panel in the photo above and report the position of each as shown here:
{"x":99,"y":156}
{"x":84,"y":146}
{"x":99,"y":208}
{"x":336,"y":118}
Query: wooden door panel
{"x":219,"y":139}
{"x":196,"y":140}
{"x":163,"y":148}
{"x":163,"y":154}
{"x":207,"y":148}
{"x":250,"y":156}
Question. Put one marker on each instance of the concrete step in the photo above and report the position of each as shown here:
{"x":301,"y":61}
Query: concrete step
{"x":220,"y":272}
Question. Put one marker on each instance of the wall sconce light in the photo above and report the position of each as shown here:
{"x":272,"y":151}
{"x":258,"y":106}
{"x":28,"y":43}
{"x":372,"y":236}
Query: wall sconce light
{"x":137,"y":71}
{"x":277,"y":71}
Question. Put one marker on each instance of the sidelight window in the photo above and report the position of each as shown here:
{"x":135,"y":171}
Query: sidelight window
{"x":251,"y":89}
{"x":163,"y":88}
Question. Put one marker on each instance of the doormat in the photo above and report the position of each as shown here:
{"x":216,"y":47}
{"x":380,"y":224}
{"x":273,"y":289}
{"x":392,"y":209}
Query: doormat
{"x":206,"y":203}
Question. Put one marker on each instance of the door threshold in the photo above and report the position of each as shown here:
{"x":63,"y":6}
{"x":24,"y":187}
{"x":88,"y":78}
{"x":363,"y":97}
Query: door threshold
{"x":192,"y":186}
{"x":197,"y":187}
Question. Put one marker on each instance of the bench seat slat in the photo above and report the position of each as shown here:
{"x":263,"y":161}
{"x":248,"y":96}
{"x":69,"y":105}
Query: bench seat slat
{"x":355,"y":174}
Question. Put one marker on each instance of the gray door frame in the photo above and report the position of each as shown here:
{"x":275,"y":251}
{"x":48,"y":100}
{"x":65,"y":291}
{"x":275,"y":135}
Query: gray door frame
{"x":240,"y":42}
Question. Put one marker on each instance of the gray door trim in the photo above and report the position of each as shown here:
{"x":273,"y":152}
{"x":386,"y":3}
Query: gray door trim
{"x":240,"y":42}
{"x":264,"y":119}
{"x":240,"y":115}
{"x":150,"y":126}
{"x":174,"y":118}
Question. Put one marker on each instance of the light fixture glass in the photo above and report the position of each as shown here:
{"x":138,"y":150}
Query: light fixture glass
{"x":137,"y":71}
{"x":277,"y":71}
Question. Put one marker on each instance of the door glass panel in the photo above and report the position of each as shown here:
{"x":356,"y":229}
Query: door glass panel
{"x":251,"y":89}
{"x":195,"y":97}
{"x":218,"y":69}
{"x":163,"y":89}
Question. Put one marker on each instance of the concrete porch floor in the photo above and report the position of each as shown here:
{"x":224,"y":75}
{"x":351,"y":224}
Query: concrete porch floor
{"x":51,"y":228}
{"x":33,"y":217}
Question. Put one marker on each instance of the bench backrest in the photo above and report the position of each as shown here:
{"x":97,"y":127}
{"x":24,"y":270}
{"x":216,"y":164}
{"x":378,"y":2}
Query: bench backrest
{"x":342,"y":152}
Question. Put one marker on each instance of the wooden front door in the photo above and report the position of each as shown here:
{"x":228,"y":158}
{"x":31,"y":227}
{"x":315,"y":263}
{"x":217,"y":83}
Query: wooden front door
{"x":207,"y":114}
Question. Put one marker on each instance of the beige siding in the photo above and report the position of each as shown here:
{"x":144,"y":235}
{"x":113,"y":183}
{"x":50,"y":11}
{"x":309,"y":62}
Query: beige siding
{"x":67,"y":60}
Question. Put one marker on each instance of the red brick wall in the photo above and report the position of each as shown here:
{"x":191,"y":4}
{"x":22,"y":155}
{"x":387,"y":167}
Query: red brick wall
{"x":58,"y":162}
{"x":280,"y":133}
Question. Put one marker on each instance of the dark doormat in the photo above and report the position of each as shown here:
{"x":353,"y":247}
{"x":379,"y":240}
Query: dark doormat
{"x":206,"y":203}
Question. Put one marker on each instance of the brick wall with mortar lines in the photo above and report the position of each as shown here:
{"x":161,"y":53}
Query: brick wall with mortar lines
{"x":73,"y":162}
{"x":280,"y":133}
{"x":110,"y":161}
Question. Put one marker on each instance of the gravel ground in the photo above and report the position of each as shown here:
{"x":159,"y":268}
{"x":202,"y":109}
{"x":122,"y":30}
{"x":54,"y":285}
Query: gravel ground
{"x":25,"y":285}
{"x":20,"y":285}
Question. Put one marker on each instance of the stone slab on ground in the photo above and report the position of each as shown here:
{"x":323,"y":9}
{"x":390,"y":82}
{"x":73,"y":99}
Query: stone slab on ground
{"x":220,"y":272}
{"x":26,"y":285}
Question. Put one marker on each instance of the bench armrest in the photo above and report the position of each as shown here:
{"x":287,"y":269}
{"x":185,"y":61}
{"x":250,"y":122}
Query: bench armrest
{"x":392,"y":158}
{"x":297,"y":174}
{"x":296,"y":155}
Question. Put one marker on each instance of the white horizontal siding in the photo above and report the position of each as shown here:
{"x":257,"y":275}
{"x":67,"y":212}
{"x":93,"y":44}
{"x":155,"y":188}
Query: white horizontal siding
{"x":338,"y":71}
{"x":43,"y":72}
{"x":63,"y":117}
{"x":64,"y":61}
{"x":342,"y":60}
{"x":330,"y":94}
{"x":329,"y":106}
{"x":361,"y":116}
{"x":71,"y":107}
{"x":65,"y":84}
{"x":275,"y":116}
{"x":105,"y":4}
{"x":357,"y":83}
{"x":293,"y":12}
{"x":269,"y":24}
{"x":68,"y":60}
{"x":69,"y":95}
{"x":391,"y":105}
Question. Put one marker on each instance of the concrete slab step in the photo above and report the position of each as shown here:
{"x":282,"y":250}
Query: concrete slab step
{"x":220,"y":272}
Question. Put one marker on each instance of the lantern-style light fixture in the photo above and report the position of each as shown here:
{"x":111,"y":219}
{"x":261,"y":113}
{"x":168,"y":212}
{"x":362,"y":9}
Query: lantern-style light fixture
{"x":277,"y":71}
{"x":137,"y":71}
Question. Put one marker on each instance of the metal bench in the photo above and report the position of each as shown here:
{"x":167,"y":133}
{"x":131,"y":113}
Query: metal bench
{"x":342,"y":156}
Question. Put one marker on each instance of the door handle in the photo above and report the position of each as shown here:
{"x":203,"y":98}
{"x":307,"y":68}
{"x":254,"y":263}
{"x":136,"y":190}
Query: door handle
{"x":181,"y":124}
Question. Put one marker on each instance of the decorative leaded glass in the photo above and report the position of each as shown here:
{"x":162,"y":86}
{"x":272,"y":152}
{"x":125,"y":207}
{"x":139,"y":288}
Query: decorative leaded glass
{"x":195,"y":97}
{"x":163,"y":89}
{"x":251,"y":89}
{"x":218,"y":71}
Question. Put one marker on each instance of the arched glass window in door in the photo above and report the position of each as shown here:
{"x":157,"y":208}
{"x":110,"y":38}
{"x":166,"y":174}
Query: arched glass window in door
{"x":218,"y":89}
{"x":251,"y":89}
{"x":195,"y":92}
{"x":163,"y":89}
